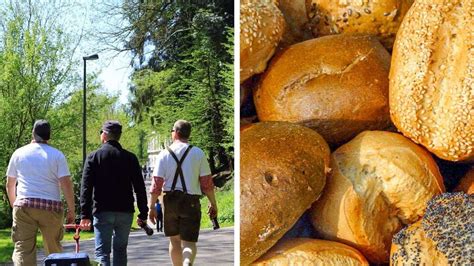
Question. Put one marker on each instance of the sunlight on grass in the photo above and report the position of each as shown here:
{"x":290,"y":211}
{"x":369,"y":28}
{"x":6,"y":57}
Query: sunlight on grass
{"x":225,"y":205}
{"x":6,"y":244}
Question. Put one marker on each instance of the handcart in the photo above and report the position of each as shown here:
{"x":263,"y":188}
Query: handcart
{"x":66,"y":259}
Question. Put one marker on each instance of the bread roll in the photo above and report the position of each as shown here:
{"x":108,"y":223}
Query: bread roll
{"x":337,"y":85}
{"x":305,"y":251}
{"x":379,"y":182}
{"x":296,"y":17}
{"x":379,"y":18}
{"x":443,"y":237}
{"x":282,"y":171}
{"x":431,"y":78}
{"x":467,"y":182}
{"x":261,"y":29}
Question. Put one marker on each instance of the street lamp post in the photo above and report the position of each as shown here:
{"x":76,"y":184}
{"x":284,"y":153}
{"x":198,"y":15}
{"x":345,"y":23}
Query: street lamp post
{"x":85,"y":58}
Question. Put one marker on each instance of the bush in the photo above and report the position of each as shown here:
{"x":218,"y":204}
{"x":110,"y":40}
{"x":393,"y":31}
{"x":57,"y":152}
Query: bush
{"x":5,"y":209}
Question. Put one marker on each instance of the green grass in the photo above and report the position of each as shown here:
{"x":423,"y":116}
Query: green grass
{"x":6,"y":244}
{"x":85,"y":235}
{"x":225,"y":205}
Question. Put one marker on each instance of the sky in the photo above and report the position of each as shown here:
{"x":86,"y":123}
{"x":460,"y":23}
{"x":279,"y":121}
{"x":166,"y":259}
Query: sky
{"x":114,"y":73}
{"x":113,"y":69}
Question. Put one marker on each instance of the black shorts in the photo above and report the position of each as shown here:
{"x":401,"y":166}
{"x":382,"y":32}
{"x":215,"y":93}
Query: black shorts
{"x":182,"y":215}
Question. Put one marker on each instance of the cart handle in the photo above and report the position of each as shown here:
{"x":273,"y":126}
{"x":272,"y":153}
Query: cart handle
{"x":76,"y":235}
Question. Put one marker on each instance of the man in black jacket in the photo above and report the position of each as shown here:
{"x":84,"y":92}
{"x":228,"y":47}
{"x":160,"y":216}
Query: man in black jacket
{"x":110,"y":176}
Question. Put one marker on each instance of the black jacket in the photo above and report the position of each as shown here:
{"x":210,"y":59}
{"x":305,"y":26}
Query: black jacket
{"x":109,"y":177}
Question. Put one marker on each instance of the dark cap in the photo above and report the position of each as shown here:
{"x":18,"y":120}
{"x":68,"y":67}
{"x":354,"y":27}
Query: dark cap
{"x":112,"y":126}
{"x":42,"y":129}
{"x":183,"y":128}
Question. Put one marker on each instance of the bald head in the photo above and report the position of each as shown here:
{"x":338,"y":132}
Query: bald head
{"x":182,"y":128}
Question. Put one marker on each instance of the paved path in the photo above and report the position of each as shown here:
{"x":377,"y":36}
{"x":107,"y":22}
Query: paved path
{"x":214,"y":248}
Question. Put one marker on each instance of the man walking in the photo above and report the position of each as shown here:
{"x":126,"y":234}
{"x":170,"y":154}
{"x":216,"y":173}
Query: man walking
{"x":182,"y":172}
{"x":40,"y":171}
{"x":110,"y":176}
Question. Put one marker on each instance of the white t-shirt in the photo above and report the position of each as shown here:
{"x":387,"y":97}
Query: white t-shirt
{"x":194,"y":165}
{"x":38,"y":168}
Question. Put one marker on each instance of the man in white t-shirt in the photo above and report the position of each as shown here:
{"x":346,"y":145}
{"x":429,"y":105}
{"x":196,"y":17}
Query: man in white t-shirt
{"x":40,"y":171}
{"x":183,"y":173}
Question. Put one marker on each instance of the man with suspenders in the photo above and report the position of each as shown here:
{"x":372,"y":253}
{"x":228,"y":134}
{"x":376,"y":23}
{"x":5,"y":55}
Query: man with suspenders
{"x":182,"y":173}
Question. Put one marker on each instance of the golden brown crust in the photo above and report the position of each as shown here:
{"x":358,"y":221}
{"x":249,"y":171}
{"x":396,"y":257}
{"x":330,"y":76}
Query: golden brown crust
{"x":305,"y":251}
{"x":261,"y":29}
{"x":419,"y":241}
{"x":431,"y":78}
{"x":283,"y":168}
{"x":379,"y":181}
{"x":467,"y":182}
{"x":443,"y":237}
{"x":337,"y":85}
{"x":379,"y":18}
{"x":296,"y":17}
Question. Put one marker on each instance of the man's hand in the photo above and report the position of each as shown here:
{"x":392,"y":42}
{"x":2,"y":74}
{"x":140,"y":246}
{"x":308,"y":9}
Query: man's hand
{"x":212,"y":211}
{"x":71,"y":217}
{"x":11,"y":190}
{"x":85,"y":224}
{"x":152,"y":215}
{"x":140,"y":222}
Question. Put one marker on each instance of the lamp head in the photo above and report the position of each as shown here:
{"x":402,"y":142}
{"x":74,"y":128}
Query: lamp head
{"x":91,"y":57}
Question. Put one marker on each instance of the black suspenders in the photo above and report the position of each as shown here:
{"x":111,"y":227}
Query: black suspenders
{"x":179,"y":170}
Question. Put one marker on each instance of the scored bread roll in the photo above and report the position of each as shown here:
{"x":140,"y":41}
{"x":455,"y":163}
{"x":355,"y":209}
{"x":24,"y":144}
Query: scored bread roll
{"x":431,"y":78}
{"x":443,"y":237}
{"x":379,"y":18}
{"x":467,"y":182}
{"x":261,"y":28}
{"x":282,"y":171}
{"x":306,"y":251}
{"x":379,"y":181}
{"x":337,"y":85}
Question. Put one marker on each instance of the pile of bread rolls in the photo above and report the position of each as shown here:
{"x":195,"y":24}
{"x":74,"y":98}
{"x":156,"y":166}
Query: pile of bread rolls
{"x":355,"y":111}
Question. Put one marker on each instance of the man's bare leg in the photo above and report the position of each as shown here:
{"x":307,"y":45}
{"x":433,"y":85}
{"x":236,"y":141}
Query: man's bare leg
{"x":189,"y":252}
{"x":175,"y":250}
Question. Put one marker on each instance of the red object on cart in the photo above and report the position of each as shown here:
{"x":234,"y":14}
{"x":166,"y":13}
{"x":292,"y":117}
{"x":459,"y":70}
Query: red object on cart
{"x":76,"y":235}
{"x":78,"y":258}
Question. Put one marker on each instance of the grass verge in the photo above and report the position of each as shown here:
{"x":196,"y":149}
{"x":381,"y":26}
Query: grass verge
{"x":225,"y":205}
{"x":6,"y":244}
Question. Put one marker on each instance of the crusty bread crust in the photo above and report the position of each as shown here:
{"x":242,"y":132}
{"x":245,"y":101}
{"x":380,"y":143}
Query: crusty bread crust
{"x":431,"y":78}
{"x":443,"y":237}
{"x":337,"y":85}
{"x":305,"y":251}
{"x":379,"y":182}
{"x":379,"y":18}
{"x":296,"y":16}
{"x":467,"y":182}
{"x":261,"y":29}
{"x":283,"y":170}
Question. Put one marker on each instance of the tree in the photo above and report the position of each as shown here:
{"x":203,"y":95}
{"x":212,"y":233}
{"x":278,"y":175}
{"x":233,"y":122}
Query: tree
{"x":34,"y":62}
{"x":187,"y":72}
{"x":158,"y":31}
{"x":67,"y":127}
